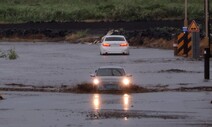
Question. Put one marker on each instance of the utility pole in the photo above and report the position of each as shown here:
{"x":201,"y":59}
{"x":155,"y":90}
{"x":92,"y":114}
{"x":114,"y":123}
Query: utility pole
{"x":207,"y":37}
{"x":186,"y":14}
{"x":207,"y":19}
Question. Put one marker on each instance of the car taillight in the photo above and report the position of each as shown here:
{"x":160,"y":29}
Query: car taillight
{"x":124,"y":44}
{"x":106,"y":44}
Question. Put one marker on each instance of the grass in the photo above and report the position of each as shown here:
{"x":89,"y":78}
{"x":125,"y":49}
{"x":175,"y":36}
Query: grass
{"x":73,"y":37}
{"x":16,"y":11}
{"x":82,"y":33}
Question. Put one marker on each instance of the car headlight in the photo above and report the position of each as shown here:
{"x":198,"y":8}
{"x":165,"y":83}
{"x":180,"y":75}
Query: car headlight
{"x":126,"y":81}
{"x":95,"y":81}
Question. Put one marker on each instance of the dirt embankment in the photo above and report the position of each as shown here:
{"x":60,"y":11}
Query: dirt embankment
{"x":146,"y":33}
{"x":155,"y":34}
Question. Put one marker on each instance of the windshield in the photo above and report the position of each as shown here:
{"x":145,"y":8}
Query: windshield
{"x":114,"y":39}
{"x":110,"y":72}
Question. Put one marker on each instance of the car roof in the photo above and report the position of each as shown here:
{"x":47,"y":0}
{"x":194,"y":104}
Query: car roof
{"x":111,"y":67}
{"x":114,"y":36}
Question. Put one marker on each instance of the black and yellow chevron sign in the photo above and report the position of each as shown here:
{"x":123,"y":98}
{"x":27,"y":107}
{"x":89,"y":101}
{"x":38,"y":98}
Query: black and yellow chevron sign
{"x":184,"y":44}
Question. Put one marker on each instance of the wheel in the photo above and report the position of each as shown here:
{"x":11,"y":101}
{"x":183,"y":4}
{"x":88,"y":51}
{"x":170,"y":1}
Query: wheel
{"x":102,"y":54}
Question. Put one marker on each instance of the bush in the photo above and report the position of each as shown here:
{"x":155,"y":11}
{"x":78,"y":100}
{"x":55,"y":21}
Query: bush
{"x":2,"y":54}
{"x":12,"y":55}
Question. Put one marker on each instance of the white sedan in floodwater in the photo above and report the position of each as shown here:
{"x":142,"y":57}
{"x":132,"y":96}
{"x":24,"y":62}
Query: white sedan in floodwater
{"x":114,"y":44}
{"x":111,"y":77}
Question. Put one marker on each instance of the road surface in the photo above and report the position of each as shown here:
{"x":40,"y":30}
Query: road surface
{"x":56,"y":64}
{"x":165,"y":109}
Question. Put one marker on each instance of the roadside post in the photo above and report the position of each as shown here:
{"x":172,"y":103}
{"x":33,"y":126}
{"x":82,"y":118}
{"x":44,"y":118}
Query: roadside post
{"x":185,"y":31}
{"x":195,"y":38}
{"x":175,"y":49}
{"x":207,"y":63}
{"x":207,"y":52}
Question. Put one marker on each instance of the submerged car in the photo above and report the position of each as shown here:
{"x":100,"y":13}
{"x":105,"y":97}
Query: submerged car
{"x":111,"y":77}
{"x":114,"y":44}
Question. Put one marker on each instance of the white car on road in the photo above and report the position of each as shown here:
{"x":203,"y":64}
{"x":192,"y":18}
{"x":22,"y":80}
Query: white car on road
{"x":114,"y":44}
{"x":111,"y":77}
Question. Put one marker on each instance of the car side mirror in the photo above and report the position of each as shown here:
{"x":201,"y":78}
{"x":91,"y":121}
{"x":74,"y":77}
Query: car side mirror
{"x":129,"y":75}
{"x":92,"y":75}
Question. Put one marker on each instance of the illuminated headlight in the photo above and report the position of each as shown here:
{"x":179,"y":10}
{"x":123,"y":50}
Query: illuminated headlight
{"x":126,"y":81}
{"x":95,"y":81}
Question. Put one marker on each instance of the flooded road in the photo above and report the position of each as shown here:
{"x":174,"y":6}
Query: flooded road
{"x":64,"y":64}
{"x":163,"y":109}
{"x":56,"y":64}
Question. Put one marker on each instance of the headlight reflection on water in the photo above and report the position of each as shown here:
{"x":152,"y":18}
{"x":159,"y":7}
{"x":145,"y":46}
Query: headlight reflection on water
{"x":96,"y":101}
{"x":125,"y":101}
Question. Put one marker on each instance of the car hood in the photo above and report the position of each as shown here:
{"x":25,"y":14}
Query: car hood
{"x":110,"y":79}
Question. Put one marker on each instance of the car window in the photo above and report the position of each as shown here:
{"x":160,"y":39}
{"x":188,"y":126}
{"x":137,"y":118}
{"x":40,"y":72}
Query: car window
{"x":114,"y":39}
{"x":117,"y":72}
{"x":103,"y":72}
{"x":110,"y":72}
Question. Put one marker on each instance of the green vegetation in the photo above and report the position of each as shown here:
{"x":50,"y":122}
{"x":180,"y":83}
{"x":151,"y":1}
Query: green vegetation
{"x":16,"y":11}
{"x":73,"y":37}
{"x":82,"y":33}
{"x":11,"y":54}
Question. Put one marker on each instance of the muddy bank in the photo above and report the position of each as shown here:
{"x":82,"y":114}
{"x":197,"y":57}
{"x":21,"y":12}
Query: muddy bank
{"x":59,"y":29}
{"x":154,"y":34}
{"x":94,"y":26}
{"x":150,"y":34}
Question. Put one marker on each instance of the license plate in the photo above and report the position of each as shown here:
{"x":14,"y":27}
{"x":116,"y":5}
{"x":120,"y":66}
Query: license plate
{"x":110,"y":86}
